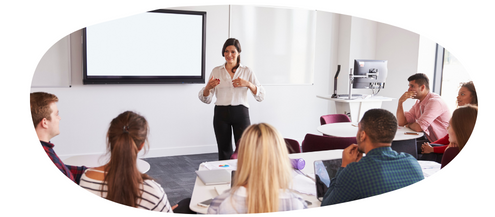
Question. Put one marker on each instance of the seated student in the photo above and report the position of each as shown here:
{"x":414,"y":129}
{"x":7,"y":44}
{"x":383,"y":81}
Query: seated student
{"x":461,"y":125}
{"x":120,"y":180}
{"x":429,"y":114}
{"x":44,"y":112}
{"x":466,"y":95}
{"x":381,"y":170}
{"x":263,"y":177}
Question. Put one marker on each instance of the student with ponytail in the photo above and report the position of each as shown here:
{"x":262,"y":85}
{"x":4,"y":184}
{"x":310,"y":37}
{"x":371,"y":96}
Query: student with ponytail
{"x":120,"y":180}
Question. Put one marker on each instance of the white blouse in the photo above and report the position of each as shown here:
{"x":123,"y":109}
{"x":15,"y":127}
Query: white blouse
{"x":226,"y":93}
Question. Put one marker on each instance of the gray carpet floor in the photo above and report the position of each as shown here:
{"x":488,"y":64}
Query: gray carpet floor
{"x":176,"y":173}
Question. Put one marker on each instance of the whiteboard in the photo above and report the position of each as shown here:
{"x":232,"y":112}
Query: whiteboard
{"x":278,"y":44}
{"x":54,"y":69}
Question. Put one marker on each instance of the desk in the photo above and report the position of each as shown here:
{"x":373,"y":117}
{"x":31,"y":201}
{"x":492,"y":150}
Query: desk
{"x":402,"y":142}
{"x":202,"y":192}
{"x":96,"y":160}
{"x":356,"y":108}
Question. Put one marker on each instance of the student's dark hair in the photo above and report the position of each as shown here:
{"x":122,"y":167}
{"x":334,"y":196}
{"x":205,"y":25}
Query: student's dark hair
{"x":470,"y":86}
{"x":40,"y":106}
{"x":462,"y":122}
{"x":237,"y":45}
{"x":126,"y":133}
{"x":420,"y":79}
{"x":380,"y":125}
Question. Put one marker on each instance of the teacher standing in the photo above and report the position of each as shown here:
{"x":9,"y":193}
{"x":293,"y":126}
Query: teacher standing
{"x":231,"y":83}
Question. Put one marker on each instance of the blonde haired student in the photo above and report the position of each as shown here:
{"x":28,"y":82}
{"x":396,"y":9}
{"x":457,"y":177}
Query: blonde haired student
{"x":263,"y":178}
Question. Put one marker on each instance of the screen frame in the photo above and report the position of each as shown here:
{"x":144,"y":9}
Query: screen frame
{"x":364,"y":83}
{"x":146,"y":79}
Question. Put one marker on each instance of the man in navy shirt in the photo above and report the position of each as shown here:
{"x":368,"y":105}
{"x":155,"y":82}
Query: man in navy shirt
{"x":44,"y":113}
{"x":381,"y":170}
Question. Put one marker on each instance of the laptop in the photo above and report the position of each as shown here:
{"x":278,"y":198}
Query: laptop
{"x":325,"y":171}
{"x":214,"y":177}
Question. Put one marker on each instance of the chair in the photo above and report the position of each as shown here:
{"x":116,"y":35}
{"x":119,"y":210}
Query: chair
{"x":313,"y":142}
{"x":334,"y":118}
{"x":292,"y":147}
{"x":448,"y":155}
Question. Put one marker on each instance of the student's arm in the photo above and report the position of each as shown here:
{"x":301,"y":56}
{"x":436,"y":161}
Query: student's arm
{"x":76,"y":172}
{"x":401,"y":117}
{"x":415,"y":127}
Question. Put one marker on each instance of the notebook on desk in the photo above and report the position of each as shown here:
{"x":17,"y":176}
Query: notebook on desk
{"x":214,"y":177}
{"x":325,"y":170}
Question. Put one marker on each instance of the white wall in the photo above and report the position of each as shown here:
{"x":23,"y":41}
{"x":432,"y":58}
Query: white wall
{"x":181,"y":124}
{"x":400,"y":48}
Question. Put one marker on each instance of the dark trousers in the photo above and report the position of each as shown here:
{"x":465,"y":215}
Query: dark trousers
{"x":226,"y":120}
{"x":183,"y":207}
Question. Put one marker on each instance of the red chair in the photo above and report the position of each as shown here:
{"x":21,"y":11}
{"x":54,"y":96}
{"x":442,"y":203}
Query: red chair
{"x":313,"y":142}
{"x":292,"y":147}
{"x":449,"y":155}
{"x":334,"y":118}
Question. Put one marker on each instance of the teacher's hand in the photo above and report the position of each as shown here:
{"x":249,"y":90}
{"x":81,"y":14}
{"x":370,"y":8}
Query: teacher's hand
{"x":239,"y":82}
{"x":212,"y":83}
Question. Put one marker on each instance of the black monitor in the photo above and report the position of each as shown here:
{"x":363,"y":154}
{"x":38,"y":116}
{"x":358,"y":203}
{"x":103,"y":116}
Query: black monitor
{"x":160,"y":46}
{"x":369,"y":74}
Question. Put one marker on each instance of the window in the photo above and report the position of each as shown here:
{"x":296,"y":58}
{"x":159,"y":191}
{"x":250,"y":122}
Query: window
{"x":449,"y":73}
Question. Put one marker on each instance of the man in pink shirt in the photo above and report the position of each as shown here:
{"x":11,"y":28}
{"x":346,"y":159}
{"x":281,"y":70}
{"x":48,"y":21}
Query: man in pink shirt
{"x":430,"y":114}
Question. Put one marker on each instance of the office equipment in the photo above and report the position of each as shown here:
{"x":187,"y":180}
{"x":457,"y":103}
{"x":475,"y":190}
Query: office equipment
{"x":325,"y":170}
{"x":368,"y":74}
{"x":160,"y":46}
{"x":214,"y":177}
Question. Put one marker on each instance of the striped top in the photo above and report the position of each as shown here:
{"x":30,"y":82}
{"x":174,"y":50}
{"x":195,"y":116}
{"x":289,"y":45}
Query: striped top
{"x":153,"y":196}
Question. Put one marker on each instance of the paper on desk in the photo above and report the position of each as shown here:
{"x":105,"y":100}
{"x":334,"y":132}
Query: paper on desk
{"x":429,"y":167}
{"x":217,"y":165}
{"x":303,"y":184}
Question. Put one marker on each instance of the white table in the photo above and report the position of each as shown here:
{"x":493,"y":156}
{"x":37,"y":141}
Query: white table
{"x":356,"y":108}
{"x":349,"y":129}
{"x":96,"y":160}
{"x":402,"y":142}
{"x":203,"y":192}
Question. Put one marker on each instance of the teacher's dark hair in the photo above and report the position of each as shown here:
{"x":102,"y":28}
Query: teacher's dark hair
{"x":380,"y":125}
{"x":126,"y":134}
{"x":237,"y":45}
